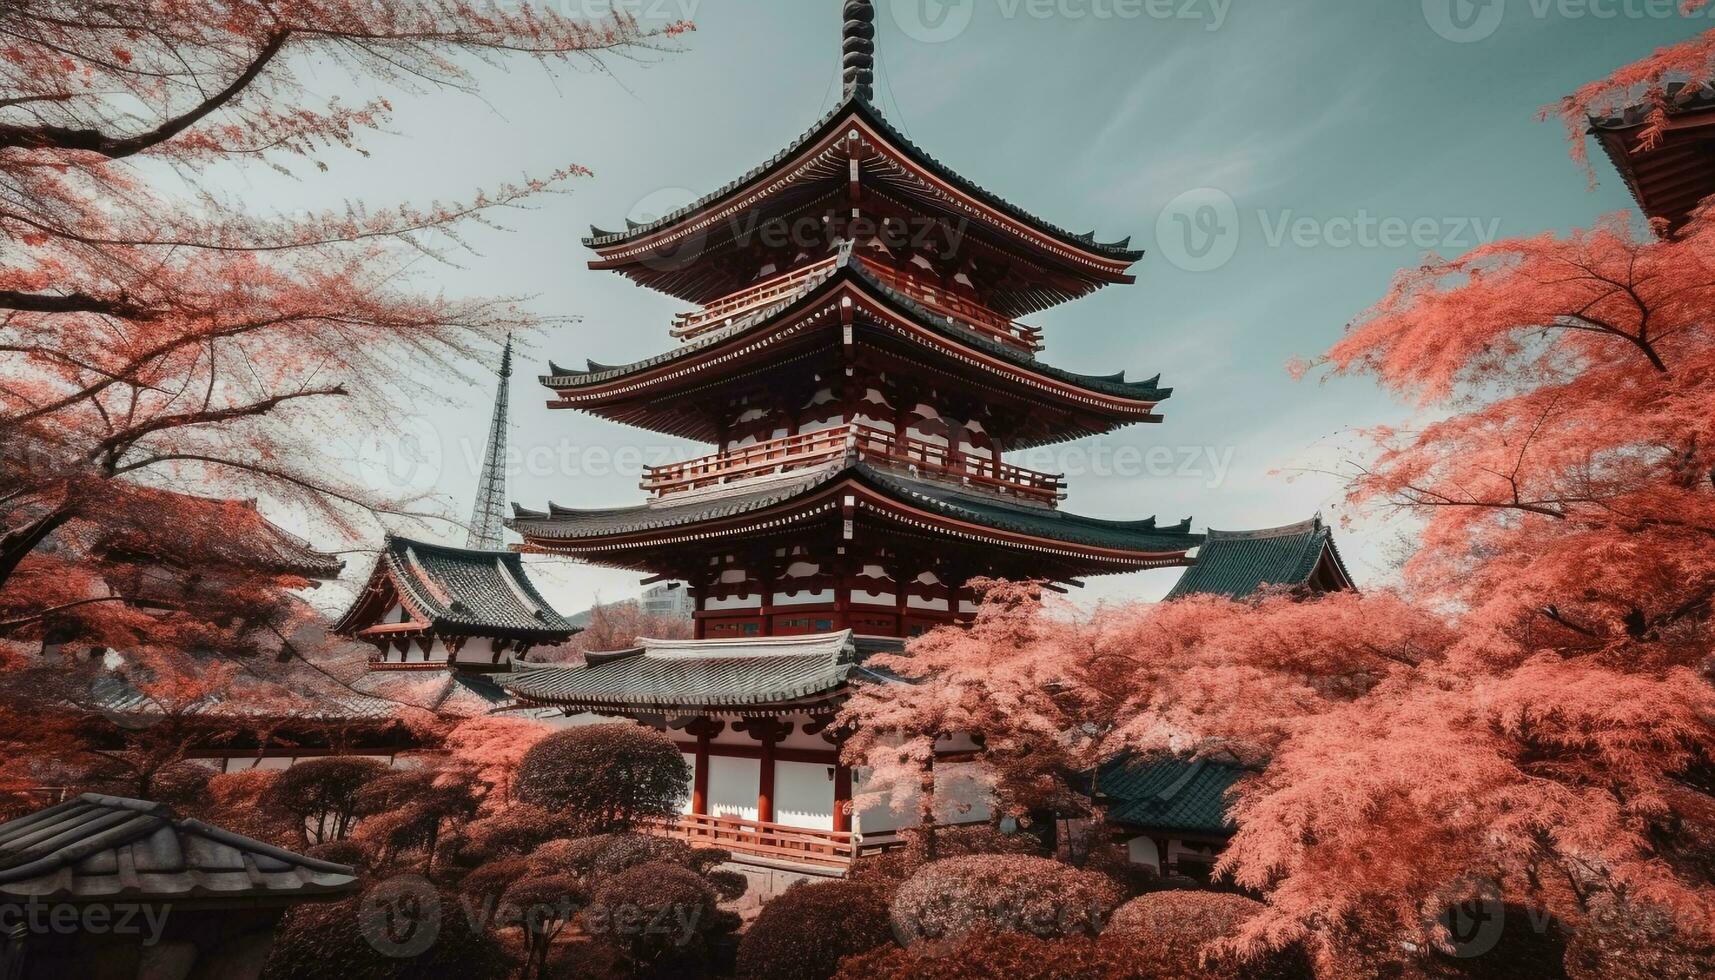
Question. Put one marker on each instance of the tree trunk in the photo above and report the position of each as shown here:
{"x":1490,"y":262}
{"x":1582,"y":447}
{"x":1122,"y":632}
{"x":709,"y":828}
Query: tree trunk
{"x":16,"y":544}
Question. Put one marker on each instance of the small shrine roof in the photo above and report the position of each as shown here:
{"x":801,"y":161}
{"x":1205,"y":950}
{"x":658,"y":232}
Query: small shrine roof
{"x":1167,"y":793}
{"x":751,"y":672}
{"x":1237,"y":564}
{"x":458,"y":590}
{"x":105,"y":848}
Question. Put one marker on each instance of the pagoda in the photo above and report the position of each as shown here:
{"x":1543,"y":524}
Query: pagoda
{"x":856,"y":358}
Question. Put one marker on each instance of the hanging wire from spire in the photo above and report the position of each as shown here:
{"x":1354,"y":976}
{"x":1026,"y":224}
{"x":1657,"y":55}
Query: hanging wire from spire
{"x":487,"y":527}
{"x":857,"y":50}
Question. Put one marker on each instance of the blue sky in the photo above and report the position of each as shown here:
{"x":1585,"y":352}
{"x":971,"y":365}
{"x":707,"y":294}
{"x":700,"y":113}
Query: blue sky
{"x":1326,"y":143}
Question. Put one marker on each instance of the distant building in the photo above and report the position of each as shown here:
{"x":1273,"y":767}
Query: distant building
{"x":671,"y":599}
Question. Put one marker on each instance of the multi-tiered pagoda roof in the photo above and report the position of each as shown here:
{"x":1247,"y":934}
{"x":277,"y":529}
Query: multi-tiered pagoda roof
{"x":858,"y":363}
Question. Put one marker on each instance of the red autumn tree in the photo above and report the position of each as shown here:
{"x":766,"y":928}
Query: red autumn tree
{"x":158,"y":336}
{"x":1529,"y":720}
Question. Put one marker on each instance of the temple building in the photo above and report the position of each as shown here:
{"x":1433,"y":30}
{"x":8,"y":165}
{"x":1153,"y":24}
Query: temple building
{"x":1238,"y":564}
{"x":856,"y":359}
{"x":1171,"y":812}
{"x":444,"y":620}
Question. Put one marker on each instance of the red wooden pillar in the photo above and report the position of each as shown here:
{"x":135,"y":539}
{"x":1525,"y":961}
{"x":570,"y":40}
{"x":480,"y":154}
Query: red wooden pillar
{"x":700,"y":778}
{"x":842,"y":797}
{"x":765,"y":785}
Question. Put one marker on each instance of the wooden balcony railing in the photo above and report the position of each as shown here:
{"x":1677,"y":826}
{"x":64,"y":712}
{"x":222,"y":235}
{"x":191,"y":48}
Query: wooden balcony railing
{"x":973,"y":314}
{"x":830,"y":848}
{"x":864,"y":443}
{"x":722,"y":312}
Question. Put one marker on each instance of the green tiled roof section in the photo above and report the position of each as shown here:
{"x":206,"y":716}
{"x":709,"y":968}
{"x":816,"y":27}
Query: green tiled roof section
{"x":744,"y":673}
{"x":1237,"y":564}
{"x":836,"y":118}
{"x":1169,"y":794}
{"x":1149,"y":390}
{"x":1055,"y":525}
{"x":477,"y":590}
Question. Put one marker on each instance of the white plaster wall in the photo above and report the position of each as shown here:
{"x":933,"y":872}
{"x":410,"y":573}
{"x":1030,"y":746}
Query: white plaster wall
{"x":804,"y":795}
{"x":804,"y":598}
{"x":733,"y":785}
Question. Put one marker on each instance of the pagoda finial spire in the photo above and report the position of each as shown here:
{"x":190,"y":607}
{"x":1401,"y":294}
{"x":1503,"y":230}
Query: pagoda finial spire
{"x":487,"y":530}
{"x":857,"y":50}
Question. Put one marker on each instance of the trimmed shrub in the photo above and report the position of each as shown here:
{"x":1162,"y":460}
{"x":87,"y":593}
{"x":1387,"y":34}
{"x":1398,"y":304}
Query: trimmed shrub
{"x":1001,"y":893}
{"x":1171,"y":930}
{"x":805,"y":932}
{"x":889,"y":868}
{"x":322,"y":794}
{"x":316,"y":941}
{"x":605,"y":778}
{"x":985,"y":955}
{"x":662,"y":918}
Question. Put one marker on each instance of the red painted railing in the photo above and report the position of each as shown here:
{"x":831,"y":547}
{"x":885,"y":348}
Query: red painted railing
{"x":973,"y":314}
{"x":862,"y":442}
{"x":832,"y":848}
{"x":723,"y":312}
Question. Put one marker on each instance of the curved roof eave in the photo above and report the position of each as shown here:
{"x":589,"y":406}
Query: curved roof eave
{"x":1148,"y":390}
{"x":1144,"y":537}
{"x":1119,"y":251}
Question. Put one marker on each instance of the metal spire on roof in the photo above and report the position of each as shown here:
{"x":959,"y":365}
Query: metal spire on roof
{"x":487,"y":532}
{"x":857,"y":50}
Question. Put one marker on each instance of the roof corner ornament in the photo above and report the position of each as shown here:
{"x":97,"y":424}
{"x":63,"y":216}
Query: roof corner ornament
{"x":857,"y":50}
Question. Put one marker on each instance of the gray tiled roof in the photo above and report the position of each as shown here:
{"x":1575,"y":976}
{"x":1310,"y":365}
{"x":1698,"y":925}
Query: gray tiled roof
{"x":736,"y":674}
{"x":119,"y":699}
{"x":464,"y":590}
{"x":100,"y":848}
{"x":834,"y":119}
{"x":1237,"y":564}
{"x":812,"y":290}
{"x":1166,"y":793}
{"x":447,"y":692}
{"x":1057,"y":525}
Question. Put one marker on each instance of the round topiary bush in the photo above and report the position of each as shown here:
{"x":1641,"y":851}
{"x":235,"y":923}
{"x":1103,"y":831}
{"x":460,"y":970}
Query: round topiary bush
{"x":984,"y":955}
{"x":805,"y":932}
{"x":347,"y":939}
{"x":322,"y":795}
{"x":1171,"y":932}
{"x":662,"y":918}
{"x":1002,"y":893}
{"x":605,"y":778}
